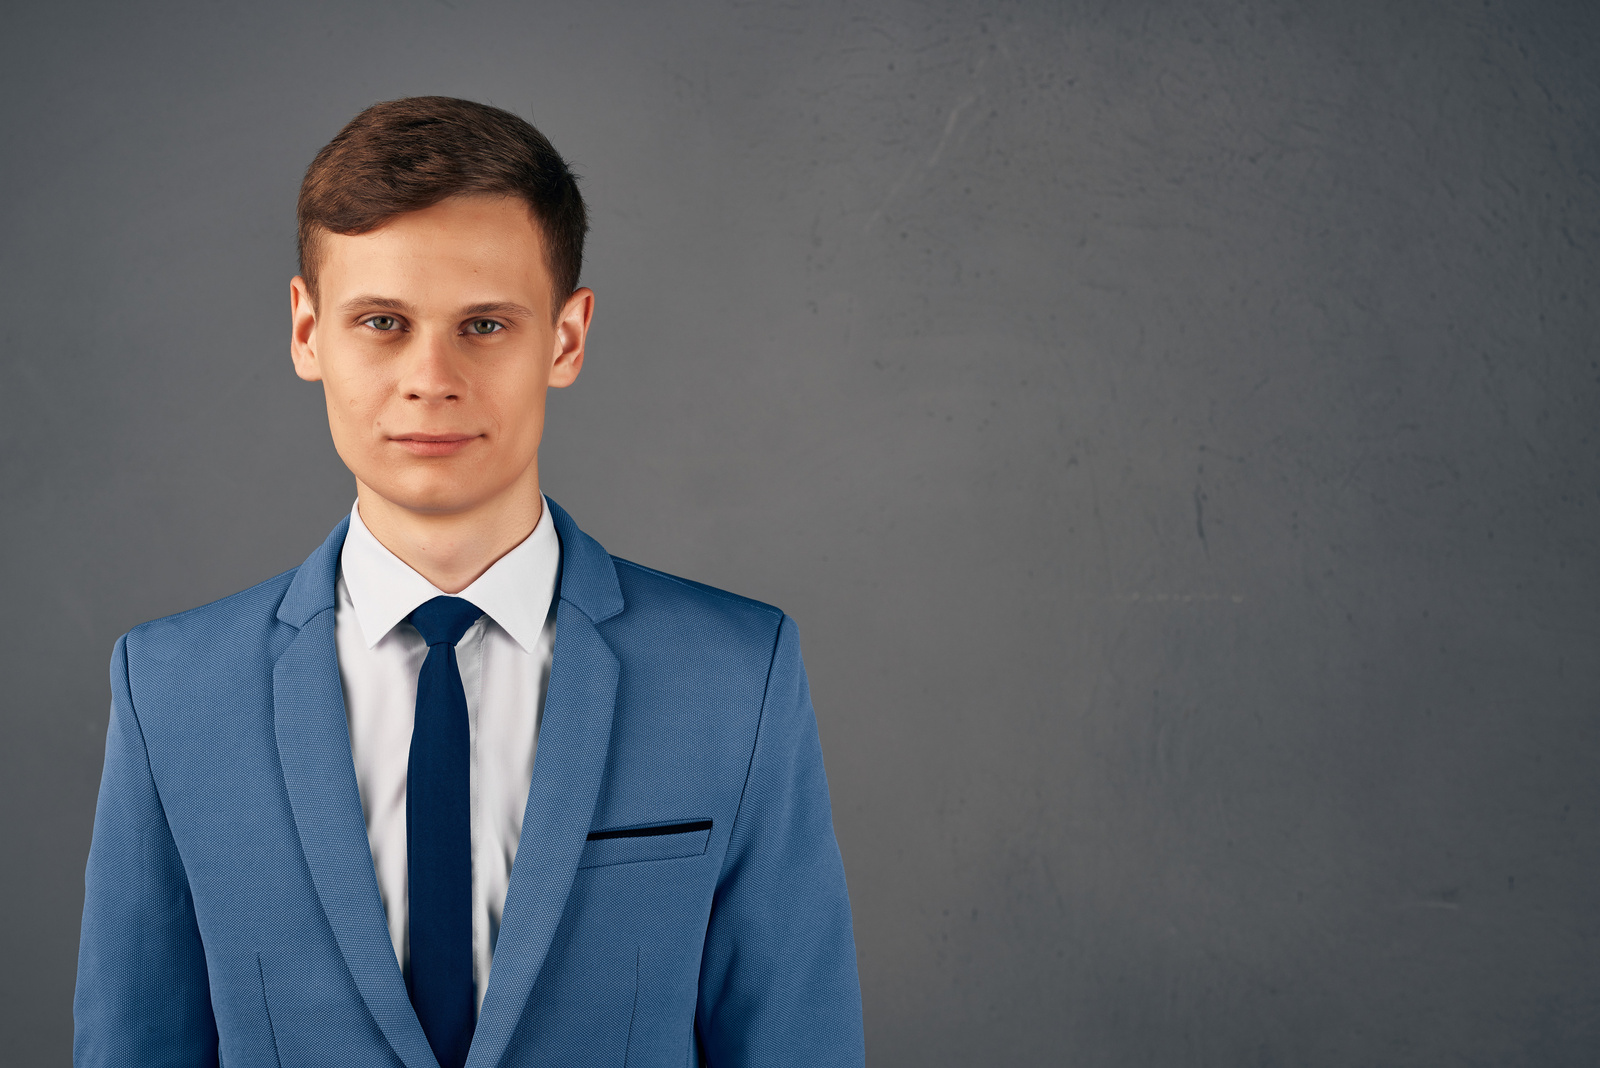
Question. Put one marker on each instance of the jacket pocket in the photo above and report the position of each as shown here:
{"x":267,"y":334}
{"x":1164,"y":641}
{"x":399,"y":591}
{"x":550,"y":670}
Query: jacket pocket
{"x":261,"y":974}
{"x":629,"y":845}
{"x":315,"y":1013}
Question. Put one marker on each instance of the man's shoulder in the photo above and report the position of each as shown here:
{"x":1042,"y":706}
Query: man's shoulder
{"x":672,"y":607}
{"x":237,"y":623}
{"x":658,"y":586}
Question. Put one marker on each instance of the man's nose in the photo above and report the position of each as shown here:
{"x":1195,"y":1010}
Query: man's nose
{"x":433,"y":369}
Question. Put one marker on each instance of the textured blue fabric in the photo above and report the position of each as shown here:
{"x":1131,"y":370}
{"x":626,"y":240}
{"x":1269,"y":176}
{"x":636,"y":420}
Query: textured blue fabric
{"x":230,"y":897}
{"x":439,"y":836}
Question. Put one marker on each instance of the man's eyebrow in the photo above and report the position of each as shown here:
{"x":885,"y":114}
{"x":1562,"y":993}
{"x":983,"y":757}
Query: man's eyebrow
{"x":497,"y":307}
{"x":366,"y":303}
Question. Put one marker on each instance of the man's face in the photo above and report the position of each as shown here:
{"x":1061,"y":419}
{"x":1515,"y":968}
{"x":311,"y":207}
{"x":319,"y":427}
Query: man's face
{"x":434,"y":343}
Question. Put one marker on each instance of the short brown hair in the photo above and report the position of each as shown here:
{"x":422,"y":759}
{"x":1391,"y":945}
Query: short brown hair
{"x":405,"y":155}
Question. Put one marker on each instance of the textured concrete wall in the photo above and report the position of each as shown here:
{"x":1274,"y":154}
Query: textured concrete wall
{"x":1172,"y":425}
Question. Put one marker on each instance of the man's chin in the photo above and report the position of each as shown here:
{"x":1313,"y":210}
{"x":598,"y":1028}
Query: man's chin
{"x":439,"y":497}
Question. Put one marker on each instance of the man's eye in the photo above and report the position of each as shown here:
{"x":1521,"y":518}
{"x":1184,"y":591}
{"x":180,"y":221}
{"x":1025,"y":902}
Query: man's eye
{"x":383,"y":322}
{"x":486,"y":326}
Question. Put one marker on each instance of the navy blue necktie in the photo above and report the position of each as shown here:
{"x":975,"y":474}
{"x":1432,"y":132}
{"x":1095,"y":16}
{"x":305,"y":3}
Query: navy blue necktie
{"x":439,"y":837}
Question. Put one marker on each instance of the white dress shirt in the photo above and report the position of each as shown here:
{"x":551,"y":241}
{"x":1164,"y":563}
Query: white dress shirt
{"x":505,"y":670}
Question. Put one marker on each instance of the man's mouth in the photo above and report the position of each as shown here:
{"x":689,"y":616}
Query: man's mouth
{"x":434,"y":444}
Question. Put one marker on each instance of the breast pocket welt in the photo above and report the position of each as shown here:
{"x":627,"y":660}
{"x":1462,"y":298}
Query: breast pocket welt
{"x":631,"y":845}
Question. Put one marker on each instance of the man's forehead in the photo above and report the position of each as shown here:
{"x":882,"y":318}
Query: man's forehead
{"x":460,"y":243}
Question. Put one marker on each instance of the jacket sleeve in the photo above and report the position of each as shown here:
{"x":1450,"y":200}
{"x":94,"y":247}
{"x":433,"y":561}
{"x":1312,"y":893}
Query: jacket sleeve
{"x":778,"y":982}
{"x":142,"y":995}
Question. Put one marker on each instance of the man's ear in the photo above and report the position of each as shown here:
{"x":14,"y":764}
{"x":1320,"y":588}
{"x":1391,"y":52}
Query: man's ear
{"x":303,"y":323}
{"x":572,"y":331}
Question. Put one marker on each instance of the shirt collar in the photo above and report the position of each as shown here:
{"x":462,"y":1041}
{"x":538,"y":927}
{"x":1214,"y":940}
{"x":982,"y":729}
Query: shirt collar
{"x":516,"y":591}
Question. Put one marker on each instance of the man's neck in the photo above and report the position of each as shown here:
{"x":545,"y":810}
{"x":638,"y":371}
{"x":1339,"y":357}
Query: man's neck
{"x":452,"y":550}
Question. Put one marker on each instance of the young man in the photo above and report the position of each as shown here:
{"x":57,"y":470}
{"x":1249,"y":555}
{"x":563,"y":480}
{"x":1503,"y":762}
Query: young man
{"x":462,"y":788}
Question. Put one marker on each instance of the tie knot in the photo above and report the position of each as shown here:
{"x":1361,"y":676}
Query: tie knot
{"x":443,"y":620}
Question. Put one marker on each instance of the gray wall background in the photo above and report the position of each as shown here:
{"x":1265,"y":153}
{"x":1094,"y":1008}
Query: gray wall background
{"x":1172,"y":425}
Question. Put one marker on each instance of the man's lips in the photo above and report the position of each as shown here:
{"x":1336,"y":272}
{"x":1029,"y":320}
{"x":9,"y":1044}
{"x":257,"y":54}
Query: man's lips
{"x":433,"y":444}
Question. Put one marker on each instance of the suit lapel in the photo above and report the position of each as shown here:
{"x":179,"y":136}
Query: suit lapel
{"x":574,"y":737}
{"x":314,"y":750}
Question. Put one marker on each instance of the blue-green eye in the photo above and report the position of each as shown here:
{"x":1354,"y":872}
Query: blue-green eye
{"x":383,"y":322}
{"x":485,"y":326}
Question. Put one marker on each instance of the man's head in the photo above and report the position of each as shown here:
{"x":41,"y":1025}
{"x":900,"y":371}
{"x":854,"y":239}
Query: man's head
{"x":440,"y":242}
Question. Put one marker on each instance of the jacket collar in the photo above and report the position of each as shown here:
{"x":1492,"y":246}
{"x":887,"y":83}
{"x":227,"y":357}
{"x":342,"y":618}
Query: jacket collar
{"x":319,"y":776}
{"x":568,"y":766}
{"x":312,"y":589}
{"x":588,"y":577}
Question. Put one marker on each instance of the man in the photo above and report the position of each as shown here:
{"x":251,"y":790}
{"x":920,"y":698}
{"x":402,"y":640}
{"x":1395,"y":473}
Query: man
{"x":462,"y":788}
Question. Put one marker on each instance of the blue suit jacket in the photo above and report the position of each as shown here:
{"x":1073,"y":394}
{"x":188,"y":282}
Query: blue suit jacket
{"x":231,"y":903}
